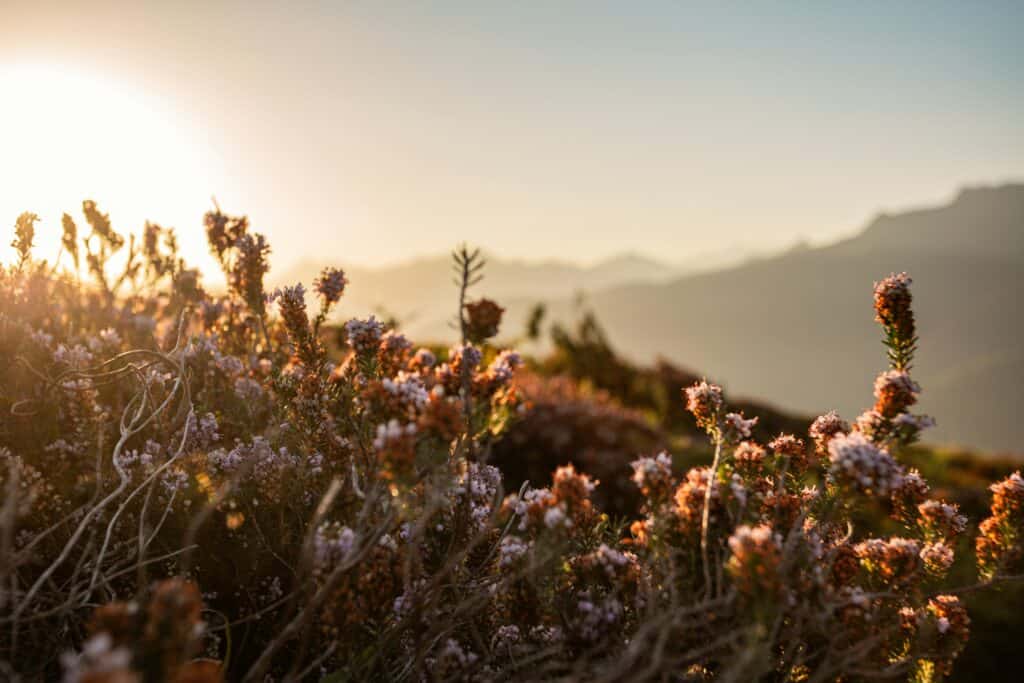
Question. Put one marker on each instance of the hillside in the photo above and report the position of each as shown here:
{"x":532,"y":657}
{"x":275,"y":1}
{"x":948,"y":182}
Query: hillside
{"x":762,"y":322}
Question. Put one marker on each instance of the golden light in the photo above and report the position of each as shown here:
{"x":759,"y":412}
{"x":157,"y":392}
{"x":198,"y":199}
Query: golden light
{"x":66,"y":135}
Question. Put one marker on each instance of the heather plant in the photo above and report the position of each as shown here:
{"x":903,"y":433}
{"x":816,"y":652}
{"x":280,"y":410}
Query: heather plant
{"x":200,"y":488}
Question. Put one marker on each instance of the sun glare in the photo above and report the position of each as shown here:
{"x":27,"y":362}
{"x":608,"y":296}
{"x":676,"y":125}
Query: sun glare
{"x":66,"y":135}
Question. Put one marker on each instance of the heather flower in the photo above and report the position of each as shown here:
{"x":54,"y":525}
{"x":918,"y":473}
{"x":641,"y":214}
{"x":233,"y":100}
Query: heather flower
{"x":480,"y":484}
{"x":407,"y":390}
{"x":291,"y":301}
{"x":704,"y":400}
{"x":330,"y":285}
{"x":332,"y":544}
{"x":1000,"y":543}
{"x":756,"y":555}
{"x":423,"y":360}
{"x":893,"y":311}
{"x":941,"y":520}
{"x":749,"y":457}
{"x":223,"y":232}
{"x":892,"y":560}
{"x":653,"y":476}
{"x":825,"y":428}
{"x":511,"y":550}
{"x":246,"y":276}
{"x":913,"y":491}
{"x":395,"y":443}
{"x":393,"y":352}
{"x":464,"y":359}
{"x":862,"y":466}
{"x":248,"y":389}
{"x":203,"y":431}
{"x":789,"y":446}
{"x":737,"y":427}
{"x":895,"y":391}
{"x":689,"y":498}
{"x":952,"y":628}
{"x":503,"y":367}
{"x":69,"y":238}
{"x":595,"y":617}
{"x":24,"y":236}
{"x":364,"y":335}
{"x":908,"y":427}
{"x":937,"y":558}
{"x":873,"y":425}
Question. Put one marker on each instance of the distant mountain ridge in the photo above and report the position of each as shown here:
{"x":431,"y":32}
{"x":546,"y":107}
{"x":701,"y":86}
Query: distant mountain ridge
{"x":420,"y":292}
{"x":798,"y":330}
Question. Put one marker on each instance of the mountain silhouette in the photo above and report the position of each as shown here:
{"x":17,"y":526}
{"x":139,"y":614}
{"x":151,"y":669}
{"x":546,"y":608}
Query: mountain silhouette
{"x":798,"y":329}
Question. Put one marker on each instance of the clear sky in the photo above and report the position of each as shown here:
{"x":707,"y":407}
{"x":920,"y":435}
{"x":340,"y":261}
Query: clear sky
{"x":377,"y":131}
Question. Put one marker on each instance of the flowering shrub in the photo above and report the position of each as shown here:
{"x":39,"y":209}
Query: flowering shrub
{"x":195,"y":488}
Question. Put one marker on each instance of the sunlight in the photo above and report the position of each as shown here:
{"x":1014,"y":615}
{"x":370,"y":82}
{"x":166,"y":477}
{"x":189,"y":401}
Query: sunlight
{"x":66,"y":135}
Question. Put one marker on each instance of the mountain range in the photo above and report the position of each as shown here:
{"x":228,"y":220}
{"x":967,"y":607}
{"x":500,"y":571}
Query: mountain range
{"x":420,"y":292}
{"x":798,"y":329}
{"x":795,"y":328}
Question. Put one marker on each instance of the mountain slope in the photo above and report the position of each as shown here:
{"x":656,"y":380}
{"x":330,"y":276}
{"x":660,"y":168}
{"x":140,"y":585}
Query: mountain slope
{"x":798,"y":329}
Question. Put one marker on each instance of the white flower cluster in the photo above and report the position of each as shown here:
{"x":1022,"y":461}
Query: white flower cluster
{"x":466,"y":354}
{"x":739,"y":425}
{"x":407,"y":388}
{"x":504,"y":366}
{"x":937,"y":557}
{"x":392,"y":432}
{"x":425,"y":358}
{"x":105,"y":341}
{"x":862,"y":464}
{"x":879,"y":547}
{"x":202,"y":431}
{"x":248,"y":389}
{"x":511,"y":549}
{"x":206,"y":346}
{"x":76,"y":357}
{"x":265,"y":461}
{"x":394,"y":342}
{"x":826,"y":426}
{"x":332,"y":544}
{"x":916,"y":423}
{"x":612,"y":560}
{"x":649,"y":472}
{"x":481,"y":483}
{"x":896,"y":381}
{"x":290,"y":296}
{"x":555,"y":518}
{"x":946,"y":513}
{"x":364,"y":335}
{"x":173,"y":480}
{"x":330,"y":285}
{"x":703,"y":397}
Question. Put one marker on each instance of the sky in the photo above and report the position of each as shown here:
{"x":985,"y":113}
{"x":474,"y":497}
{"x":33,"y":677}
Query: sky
{"x":374,"y":132}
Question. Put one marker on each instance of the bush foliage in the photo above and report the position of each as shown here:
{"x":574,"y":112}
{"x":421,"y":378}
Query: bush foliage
{"x":200,"y":487}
